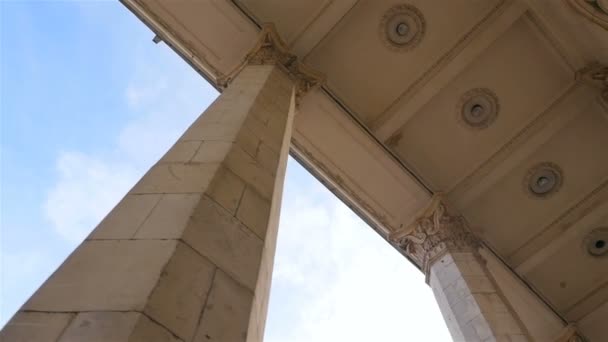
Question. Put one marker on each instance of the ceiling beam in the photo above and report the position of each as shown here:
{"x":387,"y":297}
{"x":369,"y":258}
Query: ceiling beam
{"x":464,"y":53}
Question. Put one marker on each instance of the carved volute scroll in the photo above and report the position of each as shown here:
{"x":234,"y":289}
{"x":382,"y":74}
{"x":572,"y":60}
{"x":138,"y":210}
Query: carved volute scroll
{"x":270,"y":49}
{"x":434,"y":234}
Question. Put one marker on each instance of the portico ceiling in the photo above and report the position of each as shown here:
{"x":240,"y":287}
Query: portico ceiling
{"x":389,"y":129}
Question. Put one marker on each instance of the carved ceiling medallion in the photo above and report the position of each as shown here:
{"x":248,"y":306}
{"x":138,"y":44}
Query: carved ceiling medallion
{"x":596,"y":242}
{"x":478,"y":108}
{"x":543,"y":180}
{"x":402,"y":27}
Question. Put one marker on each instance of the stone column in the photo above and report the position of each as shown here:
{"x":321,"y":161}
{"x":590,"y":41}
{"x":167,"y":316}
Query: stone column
{"x":187,"y":254}
{"x":469,"y":299}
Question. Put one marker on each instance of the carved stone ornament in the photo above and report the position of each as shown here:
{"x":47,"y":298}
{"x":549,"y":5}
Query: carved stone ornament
{"x":595,"y":11}
{"x":271,"y":50}
{"x":402,"y":27}
{"x":435,"y":233}
{"x":596,"y":73}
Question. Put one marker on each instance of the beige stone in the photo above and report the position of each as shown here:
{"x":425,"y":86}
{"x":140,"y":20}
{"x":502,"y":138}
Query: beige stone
{"x":248,"y":169}
{"x":226,"y":315}
{"x":181,"y":152}
{"x":212,"y":151}
{"x":124,"y":220}
{"x":217,"y":235}
{"x":115,"y":327}
{"x":35,"y":326}
{"x":226,"y":189}
{"x":176,"y":178}
{"x":254,"y":211}
{"x":169,"y":217}
{"x":104,"y":275}
{"x":181,"y":292}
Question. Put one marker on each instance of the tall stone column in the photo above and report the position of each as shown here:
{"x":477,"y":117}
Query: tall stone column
{"x":469,"y":299}
{"x":187,"y":254}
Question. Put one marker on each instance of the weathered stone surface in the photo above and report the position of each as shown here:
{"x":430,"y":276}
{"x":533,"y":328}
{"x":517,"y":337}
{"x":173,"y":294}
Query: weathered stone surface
{"x":181,"y":152}
{"x":124,"y":220}
{"x":226,"y":189}
{"x":226,"y":315}
{"x":176,"y":178}
{"x":181,"y":292}
{"x":115,"y":327}
{"x":254,"y":211}
{"x":104,"y":275}
{"x":216,"y":234}
{"x":35,"y":326}
{"x":212,"y":151}
{"x":169,"y":217}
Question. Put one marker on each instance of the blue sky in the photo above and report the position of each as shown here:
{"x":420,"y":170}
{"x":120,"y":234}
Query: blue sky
{"x":88,"y":103}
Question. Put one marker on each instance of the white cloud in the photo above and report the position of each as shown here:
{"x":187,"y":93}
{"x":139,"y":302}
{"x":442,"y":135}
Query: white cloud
{"x":335,"y":279}
{"x":87,"y":189}
{"x":163,"y":97}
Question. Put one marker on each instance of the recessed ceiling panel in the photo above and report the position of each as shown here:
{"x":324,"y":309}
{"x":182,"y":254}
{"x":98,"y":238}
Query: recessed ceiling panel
{"x":367,"y":72}
{"x":484,"y":107}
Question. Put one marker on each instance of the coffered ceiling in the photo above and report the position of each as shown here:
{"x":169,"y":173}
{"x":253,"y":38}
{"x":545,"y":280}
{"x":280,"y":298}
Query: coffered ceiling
{"x":482,"y":100}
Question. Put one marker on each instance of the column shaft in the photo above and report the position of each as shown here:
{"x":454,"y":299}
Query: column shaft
{"x":187,"y":254}
{"x":469,"y":299}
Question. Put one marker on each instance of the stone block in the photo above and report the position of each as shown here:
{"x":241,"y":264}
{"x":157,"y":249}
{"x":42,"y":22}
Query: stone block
{"x":181,"y":292}
{"x":35,"y":326}
{"x":181,"y":152}
{"x":169,"y":217}
{"x":248,"y":169}
{"x":216,"y":234}
{"x":248,"y":141}
{"x":268,"y":158}
{"x":226,"y":189}
{"x":124,"y":220}
{"x":254,"y":212}
{"x":104,"y":275}
{"x":226,"y":315}
{"x":176,"y":178}
{"x":212,"y":151}
{"x":101,"y":327}
{"x":115,"y":327}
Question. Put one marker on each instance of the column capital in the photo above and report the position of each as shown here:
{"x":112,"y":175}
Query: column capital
{"x":270,"y":49}
{"x":434,"y":233}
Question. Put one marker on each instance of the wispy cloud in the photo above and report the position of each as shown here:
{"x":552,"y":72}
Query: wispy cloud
{"x":335,"y":279}
{"x":163,"y":96}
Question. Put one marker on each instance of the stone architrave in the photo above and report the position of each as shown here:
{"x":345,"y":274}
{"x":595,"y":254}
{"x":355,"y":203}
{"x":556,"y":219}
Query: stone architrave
{"x":187,"y":254}
{"x":469,"y":299}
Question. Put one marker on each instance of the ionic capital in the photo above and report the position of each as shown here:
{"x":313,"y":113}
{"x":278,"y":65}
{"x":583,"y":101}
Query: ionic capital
{"x":433,"y":234}
{"x":271,"y":50}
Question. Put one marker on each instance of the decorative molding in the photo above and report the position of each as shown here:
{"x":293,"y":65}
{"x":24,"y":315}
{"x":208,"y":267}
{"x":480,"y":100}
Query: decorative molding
{"x":271,"y":50}
{"x":339,"y":181}
{"x":172,"y":38}
{"x":523,"y":257}
{"x":433,"y":234}
{"x":570,"y":334}
{"x":597,"y":74}
{"x":483,"y":97}
{"x":402,"y":14}
{"x":520,"y":138}
{"x":595,"y":11}
{"x":538,"y":170}
{"x":441,"y":62}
